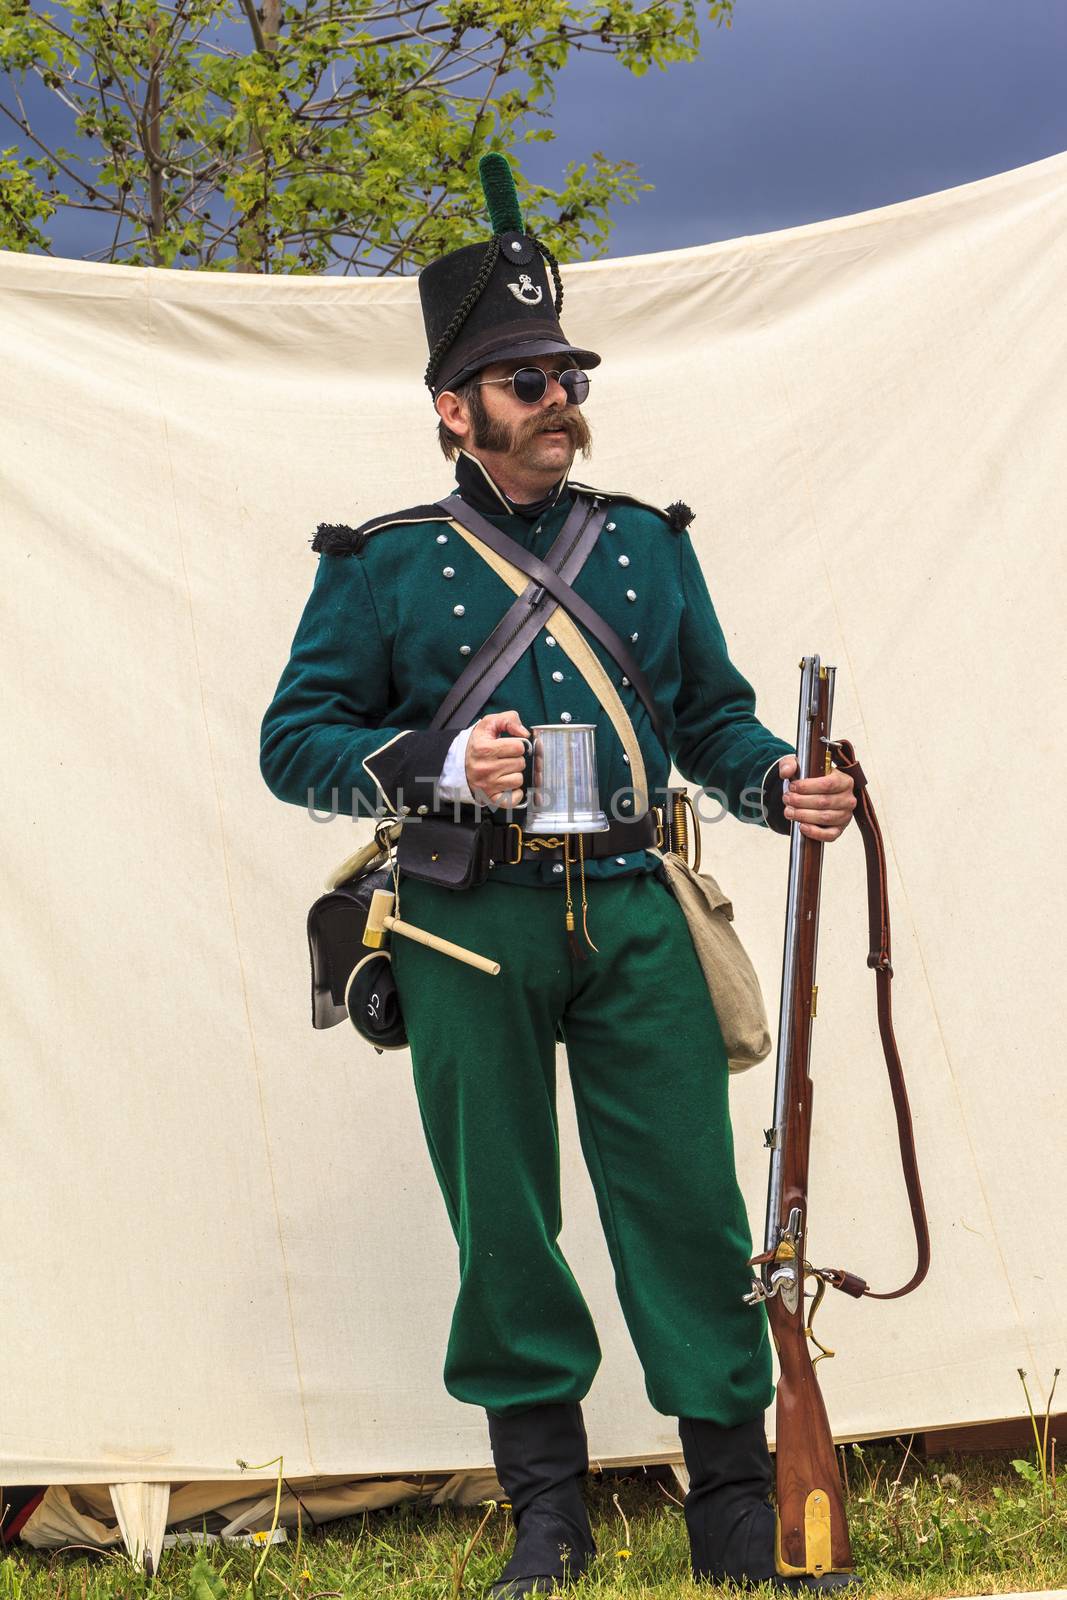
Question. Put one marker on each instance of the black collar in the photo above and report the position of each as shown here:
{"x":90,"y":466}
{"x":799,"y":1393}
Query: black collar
{"x":480,"y":491}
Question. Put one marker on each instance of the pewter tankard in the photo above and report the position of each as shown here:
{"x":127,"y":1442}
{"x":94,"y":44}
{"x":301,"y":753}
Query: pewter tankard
{"x":563,"y":796}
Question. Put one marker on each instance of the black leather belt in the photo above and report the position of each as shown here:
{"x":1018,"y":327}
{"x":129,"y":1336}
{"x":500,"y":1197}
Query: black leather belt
{"x":510,"y":843}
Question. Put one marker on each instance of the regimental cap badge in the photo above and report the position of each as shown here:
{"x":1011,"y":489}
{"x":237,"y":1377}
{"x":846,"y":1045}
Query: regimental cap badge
{"x":478,"y":308}
{"x":526,"y":290}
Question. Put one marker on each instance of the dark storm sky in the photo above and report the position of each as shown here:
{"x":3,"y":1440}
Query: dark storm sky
{"x":808,"y":109}
{"x":804,"y":109}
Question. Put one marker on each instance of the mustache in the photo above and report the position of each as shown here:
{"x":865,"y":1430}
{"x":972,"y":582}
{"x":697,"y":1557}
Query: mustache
{"x":569,"y":421}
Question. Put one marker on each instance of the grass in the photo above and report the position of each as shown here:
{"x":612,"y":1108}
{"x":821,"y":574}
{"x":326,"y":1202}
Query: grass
{"x":957,"y":1525}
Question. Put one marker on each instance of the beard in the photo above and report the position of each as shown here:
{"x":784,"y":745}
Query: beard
{"x":514,"y":439}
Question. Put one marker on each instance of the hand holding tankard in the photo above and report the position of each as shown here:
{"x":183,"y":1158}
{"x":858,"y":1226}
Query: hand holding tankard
{"x":496,"y":755}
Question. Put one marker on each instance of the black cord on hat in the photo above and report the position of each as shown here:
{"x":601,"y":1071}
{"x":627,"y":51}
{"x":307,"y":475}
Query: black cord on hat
{"x":554,"y":264}
{"x":463,"y":311}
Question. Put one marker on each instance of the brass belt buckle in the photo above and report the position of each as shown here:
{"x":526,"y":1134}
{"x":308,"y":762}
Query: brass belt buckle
{"x":529,"y":842}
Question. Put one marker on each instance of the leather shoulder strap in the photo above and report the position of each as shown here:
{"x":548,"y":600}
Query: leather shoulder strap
{"x":520,"y":624}
{"x":563,"y":594}
{"x":570,"y":639}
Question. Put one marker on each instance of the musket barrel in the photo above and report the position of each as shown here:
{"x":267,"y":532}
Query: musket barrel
{"x":808,"y":711}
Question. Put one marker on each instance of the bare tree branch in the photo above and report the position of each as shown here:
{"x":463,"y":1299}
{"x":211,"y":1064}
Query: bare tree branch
{"x":249,"y":9}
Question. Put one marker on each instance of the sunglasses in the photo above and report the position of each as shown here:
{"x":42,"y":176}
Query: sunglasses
{"x":530,"y":384}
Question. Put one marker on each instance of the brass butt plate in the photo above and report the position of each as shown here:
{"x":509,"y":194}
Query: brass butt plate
{"x":818,"y":1554}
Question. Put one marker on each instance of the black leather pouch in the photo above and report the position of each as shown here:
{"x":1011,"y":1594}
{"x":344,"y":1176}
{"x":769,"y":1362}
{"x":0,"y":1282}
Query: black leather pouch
{"x":454,"y":855}
{"x":335,"y":927}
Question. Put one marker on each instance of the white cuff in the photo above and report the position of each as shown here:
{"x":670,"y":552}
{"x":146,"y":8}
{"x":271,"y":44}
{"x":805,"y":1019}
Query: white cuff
{"x":452,"y":784}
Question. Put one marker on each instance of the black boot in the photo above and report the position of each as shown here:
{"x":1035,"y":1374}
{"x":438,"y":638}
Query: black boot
{"x":727,"y":1511}
{"x":541,"y":1457}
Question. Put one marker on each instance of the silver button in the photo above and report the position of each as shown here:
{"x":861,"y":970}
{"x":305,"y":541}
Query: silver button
{"x":557,"y":677}
{"x":442,"y":538}
{"x":620,"y":861}
{"x":624,"y":561}
{"x":609,"y":527}
{"x":457,"y":611}
{"x":549,"y":639}
{"x":516,"y":246}
{"x":564,"y":716}
{"x":631,"y":594}
{"x":448,"y":572}
{"x":626,"y":683}
{"x":625,"y":802}
{"x":627,"y":760}
{"x":558,"y":867}
{"x":422,"y":810}
{"x":464,"y":649}
{"x":633,"y":638}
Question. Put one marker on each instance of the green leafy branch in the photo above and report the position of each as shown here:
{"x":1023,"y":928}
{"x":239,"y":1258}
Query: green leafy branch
{"x":323,"y":135}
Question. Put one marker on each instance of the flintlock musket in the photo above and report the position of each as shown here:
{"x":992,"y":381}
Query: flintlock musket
{"x":812,"y":1533}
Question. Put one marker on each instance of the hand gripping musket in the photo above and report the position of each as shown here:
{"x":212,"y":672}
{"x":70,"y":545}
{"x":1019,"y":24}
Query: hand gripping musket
{"x":812,"y":1530}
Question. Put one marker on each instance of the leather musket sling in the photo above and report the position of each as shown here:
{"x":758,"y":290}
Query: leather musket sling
{"x":879,"y":957}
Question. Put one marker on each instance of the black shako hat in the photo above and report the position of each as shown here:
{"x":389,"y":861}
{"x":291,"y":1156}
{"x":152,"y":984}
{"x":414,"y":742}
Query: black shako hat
{"x":488,"y":302}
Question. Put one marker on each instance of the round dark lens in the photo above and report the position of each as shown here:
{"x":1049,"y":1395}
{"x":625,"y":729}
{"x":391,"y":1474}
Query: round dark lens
{"x":576,"y":384}
{"x":530,"y":384}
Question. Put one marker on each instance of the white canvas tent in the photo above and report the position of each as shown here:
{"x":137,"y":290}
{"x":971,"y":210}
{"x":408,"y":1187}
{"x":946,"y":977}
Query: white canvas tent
{"x":222,"y":1238}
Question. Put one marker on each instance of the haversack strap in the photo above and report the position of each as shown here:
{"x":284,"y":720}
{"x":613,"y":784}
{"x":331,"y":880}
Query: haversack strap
{"x":522,"y":621}
{"x":563,"y":594}
{"x":571,"y":640}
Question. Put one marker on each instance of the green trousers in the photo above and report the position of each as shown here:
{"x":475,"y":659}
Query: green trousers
{"x":649,"y":1078}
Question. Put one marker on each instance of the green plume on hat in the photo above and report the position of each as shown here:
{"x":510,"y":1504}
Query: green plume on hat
{"x":501,"y":196}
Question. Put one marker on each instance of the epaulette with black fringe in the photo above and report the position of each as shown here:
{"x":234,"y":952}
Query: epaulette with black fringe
{"x":678,"y":515}
{"x":337,"y":539}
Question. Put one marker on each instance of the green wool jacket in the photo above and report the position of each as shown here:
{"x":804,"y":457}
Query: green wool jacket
{"x":381,"y":639}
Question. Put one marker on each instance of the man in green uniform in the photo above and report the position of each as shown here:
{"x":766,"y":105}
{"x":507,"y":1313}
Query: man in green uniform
{"x":398,"y":608}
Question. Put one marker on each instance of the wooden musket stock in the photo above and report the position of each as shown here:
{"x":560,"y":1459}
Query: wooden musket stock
{"x":812,"y":1529}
